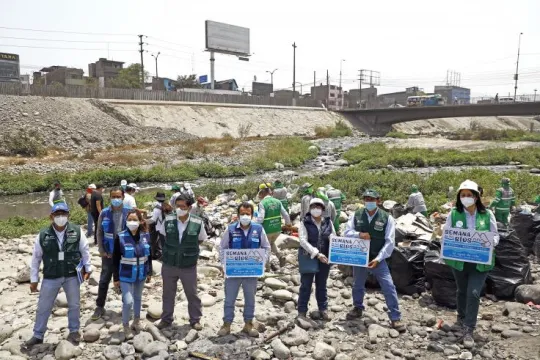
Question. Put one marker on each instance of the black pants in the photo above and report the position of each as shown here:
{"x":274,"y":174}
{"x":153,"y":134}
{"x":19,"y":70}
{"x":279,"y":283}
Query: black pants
{"x":96,"y":217}
{"x":157,"y":242}
{"x":104,"y":280}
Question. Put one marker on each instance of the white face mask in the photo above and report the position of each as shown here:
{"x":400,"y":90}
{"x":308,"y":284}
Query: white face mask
{"x":61,"y":220}
{"x":468,"y":201}
{"x":181,"y":212}
{"x":132,"y":225}
{"x":316,"y":212}
{"x":245,"y":220}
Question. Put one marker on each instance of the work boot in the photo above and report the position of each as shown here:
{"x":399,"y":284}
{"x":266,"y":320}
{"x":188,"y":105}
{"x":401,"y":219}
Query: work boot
{"x":74,"y":338}
{"x":225,"y":329}
{"x":98,"y":313}
{"x":163,"y":325}
{"x":468,"y":340}
{"x":196,"y":326}
{"x":324,"y":315}
{"x":355,"y":313}
{"x":33,"y":341}
{"x":127,"y":332}
{"x":458,"y":325}
{"x":137,"y":326}
{"x":399,"y":326}
{"x":249,"y":329}
{"x":302,"y":315}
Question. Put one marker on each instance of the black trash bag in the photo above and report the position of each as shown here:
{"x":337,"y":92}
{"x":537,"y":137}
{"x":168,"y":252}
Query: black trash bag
{"x":440,"y":278}
{"x":512,"y":267}
{"x":408,"y":268}
{"x":400,"y":235}
{"x":527,"y":227}
{"x":398,"y":211}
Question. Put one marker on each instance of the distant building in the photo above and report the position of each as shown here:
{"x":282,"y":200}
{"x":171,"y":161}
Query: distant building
{"x":286,"y":94}
{"x":454,"y":94}
{"x":229,"y":84}
{"x":261,"y":89}
{"x":63,"y":75}
{"x":105,"y":69}
{"x":164,"y":84}
{"x":386,"y":100}
{"x":25,"y":79}
{"x":328,"y":93}
{"x":368,"y":101}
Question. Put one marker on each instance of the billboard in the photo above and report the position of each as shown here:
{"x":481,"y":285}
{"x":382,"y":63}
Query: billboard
{"x":227,"y":39}
{"x":263,"y":89}
{"x":9,"y":67}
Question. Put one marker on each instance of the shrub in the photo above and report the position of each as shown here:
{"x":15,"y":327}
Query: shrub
{"x":397,"y":135}
{"x":23,"y":142}
{"x":338,"y":130}
{"x":244,"y":130}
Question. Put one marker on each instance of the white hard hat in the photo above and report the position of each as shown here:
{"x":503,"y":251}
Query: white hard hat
{"x":468,"y":185}
{"x":187,"y":186}
{"x":92,"y":186}
{"x":123,"y":183}
{"x":317,"y":201}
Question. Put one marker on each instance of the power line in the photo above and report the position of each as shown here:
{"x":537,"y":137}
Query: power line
{"x":62,"y":48}
{"x":69,"y":41}
{"x":65,"y":32}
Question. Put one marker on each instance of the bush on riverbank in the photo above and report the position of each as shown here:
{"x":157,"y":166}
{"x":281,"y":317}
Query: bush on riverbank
{"x":378,"y":155}
{"x":494,"y":134}
{"x":338,"y":130}
{"x":397,"y":135}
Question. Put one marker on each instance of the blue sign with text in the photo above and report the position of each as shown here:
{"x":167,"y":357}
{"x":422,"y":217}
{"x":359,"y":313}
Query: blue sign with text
{"x":467,"y":245}
{"x":244,"y":262}
{"x":348,"y":251}
{"x":203,"y":79}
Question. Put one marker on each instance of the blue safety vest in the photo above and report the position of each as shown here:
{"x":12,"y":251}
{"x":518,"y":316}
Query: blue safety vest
{"x":107,"y":224}
{"x":238,"y":239}
{"x":134,"y":264}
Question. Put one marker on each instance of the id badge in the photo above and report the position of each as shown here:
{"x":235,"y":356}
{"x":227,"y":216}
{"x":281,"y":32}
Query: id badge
{"x":61,"y":256}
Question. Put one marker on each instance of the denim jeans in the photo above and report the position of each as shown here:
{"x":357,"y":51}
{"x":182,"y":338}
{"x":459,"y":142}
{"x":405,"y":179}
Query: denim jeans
{"x":90,"y":224}
{"x":131,"y":298}
{"x":469,"y":284}
{"x":382,"y":274}
{"x":232,"y":287}
{"x":104,"y":280}
{"x":47,"y":295}
{"x":306,"y":281}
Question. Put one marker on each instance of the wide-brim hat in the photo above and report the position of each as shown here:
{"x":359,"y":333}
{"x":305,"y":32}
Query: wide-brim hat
{"x":160,"y":196}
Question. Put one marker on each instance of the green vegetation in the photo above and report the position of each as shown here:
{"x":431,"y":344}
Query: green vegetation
{"x":378,"y":155}
{"x":23,"y":142}
{"x":338,"y":130}
{"x":493,"y":134}
{"x":129,"y":78}
{"x":397,"y":135}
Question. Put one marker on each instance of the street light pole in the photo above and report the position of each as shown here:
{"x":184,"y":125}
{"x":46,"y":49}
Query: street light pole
{"x":271,"y":75}
{"x":294,"y":75}
{"x":156,"y":57}
{"x":534,"y":95}
{"x":517,"y":68}
{"x":340,"y":88}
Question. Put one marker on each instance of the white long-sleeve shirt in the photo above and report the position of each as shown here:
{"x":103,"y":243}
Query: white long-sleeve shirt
{"x":304,"y":243}
{"x":129,"y":201}
{"x":389,"y":235}
{"x":471,"y":223}
{"x":37,"y":255}
{"x":284,"y":213}
{"x":158,"y":219}
{"x":265,"y":244}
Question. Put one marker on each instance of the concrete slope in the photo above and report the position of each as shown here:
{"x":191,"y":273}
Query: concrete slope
{"x":448,"y":125}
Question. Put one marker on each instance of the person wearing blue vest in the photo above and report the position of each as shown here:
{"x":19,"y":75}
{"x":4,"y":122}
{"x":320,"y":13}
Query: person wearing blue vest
{"x":111,"y":222}
{"x":244,"y":234}
{"x":376,"y":225}
{"x":132,"y":268}
{"x":61,"y":247}
{"x":315,"y":233}
{"x":471,"y":214}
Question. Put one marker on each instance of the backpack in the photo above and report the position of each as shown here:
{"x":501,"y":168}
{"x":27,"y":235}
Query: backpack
{"x":82,"y":201}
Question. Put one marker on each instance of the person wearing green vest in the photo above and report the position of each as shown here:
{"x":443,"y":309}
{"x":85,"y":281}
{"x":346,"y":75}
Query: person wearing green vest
{"x":503,"y":202}
{"x":416,"y":203}
{"x":376,"y":225}
{"x":471,"y":214}
{"x":307,"y":193}
{"x":281,"y":193}
{"x":56,"y":195}
{"x":270,"y":212}
{"x":183,"y":234}
{"x":337,"y":198}
{"x":61,"y":246}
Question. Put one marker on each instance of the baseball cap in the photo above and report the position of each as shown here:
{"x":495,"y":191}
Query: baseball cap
{"x":92,"y":186}
{"x":60,"y":207}
{"x":371,"y":193}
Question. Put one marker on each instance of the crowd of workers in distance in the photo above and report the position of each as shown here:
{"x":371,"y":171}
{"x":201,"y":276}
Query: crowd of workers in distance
{"x":121,"y":232}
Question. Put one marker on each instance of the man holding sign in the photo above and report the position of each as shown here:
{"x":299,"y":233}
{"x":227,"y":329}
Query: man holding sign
{"x":377,"y":226}
{"x":469,"y":236}
{"x":243,"y":240}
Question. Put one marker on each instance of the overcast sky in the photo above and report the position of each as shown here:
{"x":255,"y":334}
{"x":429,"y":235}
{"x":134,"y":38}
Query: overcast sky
{"x":411,"y":43}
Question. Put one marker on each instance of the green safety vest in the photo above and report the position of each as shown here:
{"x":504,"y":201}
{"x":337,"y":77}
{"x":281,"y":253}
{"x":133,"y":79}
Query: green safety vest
{"x":53,"y":267}
{"x":186,"y":253}
{"x":272,"y":215}
{"x":336,"y":197}
{"x":482,"y":224}
{"x":376,"y":229}
{"x":504,"y":199}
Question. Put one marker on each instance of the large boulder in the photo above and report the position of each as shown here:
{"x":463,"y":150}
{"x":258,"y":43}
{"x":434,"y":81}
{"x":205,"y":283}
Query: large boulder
{"x":284,"y":242}
{"x":527,"y":293}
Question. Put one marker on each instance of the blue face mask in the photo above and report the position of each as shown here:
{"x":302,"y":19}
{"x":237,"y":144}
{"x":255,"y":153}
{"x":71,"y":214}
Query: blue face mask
{"x":117,"y":202}
{"x":371,"y":205}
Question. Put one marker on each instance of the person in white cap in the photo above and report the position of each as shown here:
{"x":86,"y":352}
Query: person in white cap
{"x":186,"y":189}
{"x":123,"y":185}
{"x":89,"y":217}
{"x":470,"y":213}
{"x":129,"y":199}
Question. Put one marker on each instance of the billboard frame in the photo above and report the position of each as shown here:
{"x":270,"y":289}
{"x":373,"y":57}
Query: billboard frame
{"x":233,"y":32}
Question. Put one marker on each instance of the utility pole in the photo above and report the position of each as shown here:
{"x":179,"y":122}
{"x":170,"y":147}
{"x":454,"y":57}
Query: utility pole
{"x":212,"y":75}
{"x":327,"y":90}
{"x":142,"y":60}
{"x":294,"y":75}
{"x":360,"y":79}
{"x":314,"y":85}
{"x":271,"y":75}
{"x":340,"y":88}
{"x":534,"y":95}
{"x":517,"y":68}
{"x":156,"y":57}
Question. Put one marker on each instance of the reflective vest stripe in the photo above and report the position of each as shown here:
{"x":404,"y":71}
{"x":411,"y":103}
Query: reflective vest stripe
{"x":272,"y":217}
{"x":108,"y":234}
{"x":133,"y":261}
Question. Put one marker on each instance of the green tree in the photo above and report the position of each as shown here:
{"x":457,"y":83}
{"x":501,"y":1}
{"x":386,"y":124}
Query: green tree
{"x":188,"y":81}
{"x":129,"y":78}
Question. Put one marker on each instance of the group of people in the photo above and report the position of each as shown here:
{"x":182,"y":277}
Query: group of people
{"x":126,"y":250}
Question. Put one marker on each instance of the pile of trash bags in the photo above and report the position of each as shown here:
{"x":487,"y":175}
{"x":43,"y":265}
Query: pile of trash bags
{"x":527,"y":227}
{"x":440,"y":279}
{"x":407,"y":268}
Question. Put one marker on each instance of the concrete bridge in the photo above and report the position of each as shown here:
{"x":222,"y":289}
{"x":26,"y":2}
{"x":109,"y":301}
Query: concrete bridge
{"x":380,"y":121}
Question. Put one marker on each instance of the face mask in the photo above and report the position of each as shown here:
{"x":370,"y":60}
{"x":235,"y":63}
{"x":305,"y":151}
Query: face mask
{"x":181,"y":212}
{"x":61,"y":220}
{"x":316,"y":212}
{"x":370,"y":205}
{"x":132,"y":225}
{"x":467,"y":201}
{"x":116,"y":202}
{"x":245,"y":220}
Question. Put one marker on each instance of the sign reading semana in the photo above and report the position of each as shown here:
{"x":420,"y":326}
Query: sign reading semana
{"x":467,"y":245}
{"x":348,"y":251}
{"x":244,"y":262}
